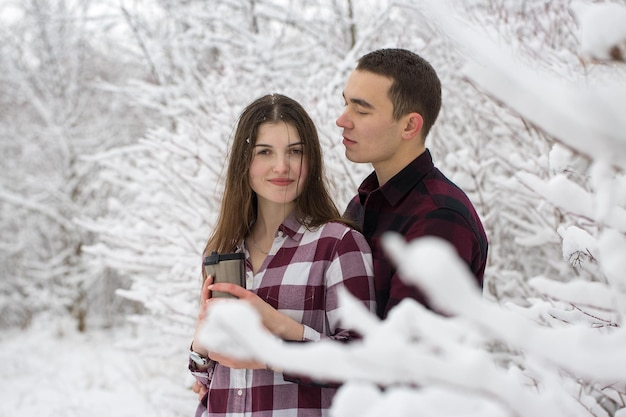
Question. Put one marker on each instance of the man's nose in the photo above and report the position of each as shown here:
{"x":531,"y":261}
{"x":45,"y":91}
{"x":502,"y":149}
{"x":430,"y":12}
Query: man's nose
{"x":342,"y":120}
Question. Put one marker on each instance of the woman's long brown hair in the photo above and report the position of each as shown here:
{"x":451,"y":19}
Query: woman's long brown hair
{"x":314,"y":206}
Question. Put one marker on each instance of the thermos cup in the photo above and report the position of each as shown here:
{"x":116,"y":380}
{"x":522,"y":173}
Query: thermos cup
{"x":226,"y":267}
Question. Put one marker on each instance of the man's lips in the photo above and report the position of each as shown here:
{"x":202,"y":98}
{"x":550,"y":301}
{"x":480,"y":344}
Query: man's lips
{"x":281,"y":181}
{"x":348,"y":142}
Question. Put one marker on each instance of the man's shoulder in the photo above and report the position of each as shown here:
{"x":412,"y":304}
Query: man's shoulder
{"x":354,"y":201}
{"x":353,"y":209}
{"x":436,"y":197}
{"x":443,"y":192}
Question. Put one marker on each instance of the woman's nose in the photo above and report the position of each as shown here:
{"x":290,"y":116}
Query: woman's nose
{"x":282,"y":164}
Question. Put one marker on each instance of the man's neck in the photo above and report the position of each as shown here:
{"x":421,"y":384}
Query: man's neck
{"x":386,"y":170}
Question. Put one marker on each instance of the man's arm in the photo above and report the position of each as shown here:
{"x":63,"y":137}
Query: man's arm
{"x":451,"y":226}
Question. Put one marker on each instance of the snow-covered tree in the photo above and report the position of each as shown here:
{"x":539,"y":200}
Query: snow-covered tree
{"x":52,"y":114}
{"x":89,"y":196}
{"x":207,"y":64}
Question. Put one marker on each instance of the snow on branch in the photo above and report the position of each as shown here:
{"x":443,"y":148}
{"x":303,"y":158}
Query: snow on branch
{"x":418,"y":347}
{"x":603,"y":30}
{"x":586,"y":119}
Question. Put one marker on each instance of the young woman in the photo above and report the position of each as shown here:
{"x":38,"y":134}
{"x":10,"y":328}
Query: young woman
{"x":298,"y":251}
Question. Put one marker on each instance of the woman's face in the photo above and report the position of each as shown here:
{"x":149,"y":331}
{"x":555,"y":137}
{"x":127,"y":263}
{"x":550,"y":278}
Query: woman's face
{"x":278,"y":170}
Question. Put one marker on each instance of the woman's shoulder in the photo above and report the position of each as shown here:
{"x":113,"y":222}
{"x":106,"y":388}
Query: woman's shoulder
{"x":334,"y":229}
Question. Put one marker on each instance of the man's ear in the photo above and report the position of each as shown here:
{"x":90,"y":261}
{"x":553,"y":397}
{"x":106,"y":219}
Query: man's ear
{"x":413,"y":126}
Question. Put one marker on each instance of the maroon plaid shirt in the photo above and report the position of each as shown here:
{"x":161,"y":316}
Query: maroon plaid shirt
{"x":418,"y":201}
{"x":300,"y":277}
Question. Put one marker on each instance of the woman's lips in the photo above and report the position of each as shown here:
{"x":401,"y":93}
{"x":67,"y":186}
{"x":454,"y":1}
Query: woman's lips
{"x":281,"y":181}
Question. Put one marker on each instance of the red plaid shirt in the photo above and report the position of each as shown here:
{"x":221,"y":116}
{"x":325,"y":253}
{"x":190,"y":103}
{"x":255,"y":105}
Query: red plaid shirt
{"x":300,"y":278}
{"x":418,"y":201}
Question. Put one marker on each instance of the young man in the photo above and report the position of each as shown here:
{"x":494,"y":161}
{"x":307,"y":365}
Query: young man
{"x":392,"y":100}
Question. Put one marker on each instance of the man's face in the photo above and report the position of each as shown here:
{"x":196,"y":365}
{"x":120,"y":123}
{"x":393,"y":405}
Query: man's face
{"x":370,"y":133}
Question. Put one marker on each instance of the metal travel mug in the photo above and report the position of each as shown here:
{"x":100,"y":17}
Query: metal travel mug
{"x":226,"y":267}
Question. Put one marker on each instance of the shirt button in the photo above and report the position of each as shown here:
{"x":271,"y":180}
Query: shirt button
{"x":280,"y":233}
{"x":240,"y":392}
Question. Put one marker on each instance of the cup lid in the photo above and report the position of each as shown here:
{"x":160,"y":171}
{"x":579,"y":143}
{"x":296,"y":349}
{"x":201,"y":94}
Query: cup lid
{"x":215,"y":257}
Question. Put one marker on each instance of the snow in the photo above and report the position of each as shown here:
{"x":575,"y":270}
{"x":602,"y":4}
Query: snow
{"x":559,"y":158}
{"x":573,"y":113}
{"x":424,"y":349}
{"x":367,"y":401}
{"x":613,"y":262}
{"x":602,"y":28}
{"x":575,"y":240}
{"x":576,"y":292}
{"x":51,"y":370}
{"x":466,"y":362}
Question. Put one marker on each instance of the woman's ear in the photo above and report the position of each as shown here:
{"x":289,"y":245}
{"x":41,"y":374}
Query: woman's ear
{"x":413,"y":126}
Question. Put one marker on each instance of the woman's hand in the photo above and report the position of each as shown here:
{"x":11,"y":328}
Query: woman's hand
{"x":276,"y":322}
{"x":236,"y":363}
{"x":279,"y":324}
{"x":199,"y":389}
{"x":205,"y":297}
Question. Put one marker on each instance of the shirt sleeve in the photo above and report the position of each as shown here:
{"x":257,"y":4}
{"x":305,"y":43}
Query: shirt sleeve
{"x":202,"y":376}
{"x":352,"y":268}
{"x":310,"y":334}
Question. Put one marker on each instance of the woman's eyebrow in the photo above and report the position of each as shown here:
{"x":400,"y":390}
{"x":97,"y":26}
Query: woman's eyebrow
{"x":271,"y":146}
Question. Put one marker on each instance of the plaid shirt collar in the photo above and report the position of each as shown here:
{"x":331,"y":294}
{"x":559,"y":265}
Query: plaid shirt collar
{"x":401,"y":183}
{"x":290,"y":226}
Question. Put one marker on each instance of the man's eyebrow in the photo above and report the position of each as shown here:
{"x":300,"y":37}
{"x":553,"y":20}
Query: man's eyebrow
{"x":359,"y":102}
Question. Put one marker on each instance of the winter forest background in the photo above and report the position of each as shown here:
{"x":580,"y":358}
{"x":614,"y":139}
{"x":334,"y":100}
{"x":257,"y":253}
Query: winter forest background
{"x":115,"y":120}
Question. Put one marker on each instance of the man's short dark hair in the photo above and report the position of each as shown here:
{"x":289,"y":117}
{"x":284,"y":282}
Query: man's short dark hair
{"x":415,"y":85}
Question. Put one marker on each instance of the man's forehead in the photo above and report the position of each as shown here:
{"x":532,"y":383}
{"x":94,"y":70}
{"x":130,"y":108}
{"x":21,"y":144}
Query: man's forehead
{"x":368,"y":87}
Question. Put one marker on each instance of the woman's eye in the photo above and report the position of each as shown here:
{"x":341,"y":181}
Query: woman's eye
{"x":296,"y":151}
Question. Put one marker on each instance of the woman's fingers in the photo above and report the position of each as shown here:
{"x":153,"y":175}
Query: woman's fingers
{"x":232,"y":289}
{"x":206,"y":293}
